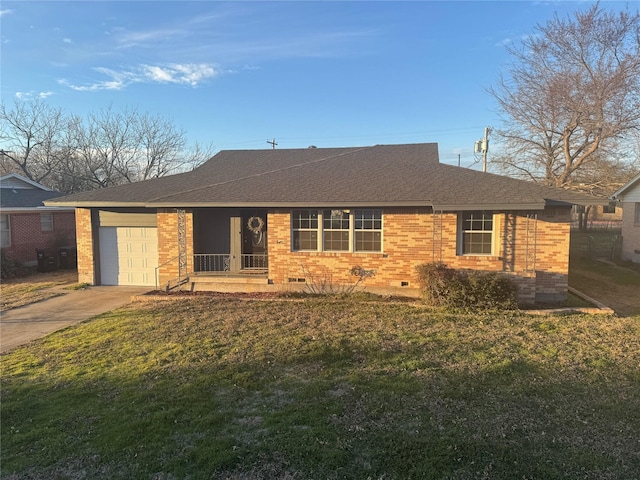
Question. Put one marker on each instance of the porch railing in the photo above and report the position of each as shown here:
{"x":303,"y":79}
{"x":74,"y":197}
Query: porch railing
{"x":255,"y":261}
{"x":221,"y":262}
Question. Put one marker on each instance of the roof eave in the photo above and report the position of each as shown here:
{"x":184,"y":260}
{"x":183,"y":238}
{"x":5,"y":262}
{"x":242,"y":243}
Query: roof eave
{"x":625,"y":187}
{"x":85,"y":204}
{"x":36,"y":209}
{"x":489,"y":206}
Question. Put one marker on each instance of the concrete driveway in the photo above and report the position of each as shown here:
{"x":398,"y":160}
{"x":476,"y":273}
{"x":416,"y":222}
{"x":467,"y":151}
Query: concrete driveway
{"x":22,"y":325}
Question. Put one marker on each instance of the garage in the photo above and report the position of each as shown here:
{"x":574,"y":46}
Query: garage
{"x":128,"y":253}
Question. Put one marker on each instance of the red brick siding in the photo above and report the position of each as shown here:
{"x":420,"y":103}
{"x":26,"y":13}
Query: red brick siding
{"x":86,"y":266}
{"x":168,"y":244}
{"x":408,"y":241}
{"x":27,"y":235}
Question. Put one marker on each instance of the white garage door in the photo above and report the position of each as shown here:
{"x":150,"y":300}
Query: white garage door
{"x":128,"y":255}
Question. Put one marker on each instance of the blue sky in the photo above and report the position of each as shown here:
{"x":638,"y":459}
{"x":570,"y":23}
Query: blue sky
{"x":236,"y":74}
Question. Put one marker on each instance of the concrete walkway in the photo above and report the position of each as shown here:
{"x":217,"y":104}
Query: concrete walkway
{"x":22,"y":325}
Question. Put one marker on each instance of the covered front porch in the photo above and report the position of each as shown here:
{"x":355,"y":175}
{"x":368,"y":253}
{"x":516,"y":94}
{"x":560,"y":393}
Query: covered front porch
{"x":230,"y":242}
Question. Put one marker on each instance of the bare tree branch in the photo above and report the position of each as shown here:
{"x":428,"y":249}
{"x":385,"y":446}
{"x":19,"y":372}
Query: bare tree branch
{"x":572,"y":94}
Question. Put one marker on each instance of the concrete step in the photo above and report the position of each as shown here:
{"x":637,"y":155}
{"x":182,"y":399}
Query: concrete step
{"x":239,"y":279}
{"x":235,"y":283}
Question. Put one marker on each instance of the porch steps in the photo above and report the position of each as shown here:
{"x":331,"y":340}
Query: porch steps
{"x":235,"y":283}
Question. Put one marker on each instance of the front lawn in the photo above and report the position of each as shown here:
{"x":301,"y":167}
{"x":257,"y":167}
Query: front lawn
{"x":323,"y":389}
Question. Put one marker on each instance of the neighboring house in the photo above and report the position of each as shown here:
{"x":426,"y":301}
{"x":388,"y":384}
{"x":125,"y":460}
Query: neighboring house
{"x":280,"y":219}
{"x":629,"y":196}
{"x":601,"y":217}
{"x":26,"y":224}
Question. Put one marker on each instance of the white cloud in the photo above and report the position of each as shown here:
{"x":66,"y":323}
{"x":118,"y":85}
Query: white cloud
{"x":5,"y":12}
{"x":67,"y":40}
{"x":187,"y":73}
{"x":24,"y":95}
{"x":132,"y":39}
{"x":182,"y":74}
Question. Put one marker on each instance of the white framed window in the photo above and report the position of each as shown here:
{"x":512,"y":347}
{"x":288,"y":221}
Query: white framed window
{"x":5,"y":231}
{"x":304,"y":225}
{"x":335,"y":230}
{"x":46,"y":222}
{"x":476,"y":232}
{"x":368,"y":230}
{"x":340,"y":230}
{"x":636,"y":217}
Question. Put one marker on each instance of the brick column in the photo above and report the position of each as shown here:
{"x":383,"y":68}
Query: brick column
{"x":84,"y":240}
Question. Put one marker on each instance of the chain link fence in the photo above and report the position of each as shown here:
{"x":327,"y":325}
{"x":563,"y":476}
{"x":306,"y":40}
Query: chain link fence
{"x":605,"y":243}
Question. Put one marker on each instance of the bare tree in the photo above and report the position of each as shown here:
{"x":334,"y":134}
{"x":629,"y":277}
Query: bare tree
{"x":105,"y":144}
{"x":32,"y":138}
{"x":571,"y":100}
{"x":162,"y":147}
{"x":129,"y":146}
{"x":108,"y":147}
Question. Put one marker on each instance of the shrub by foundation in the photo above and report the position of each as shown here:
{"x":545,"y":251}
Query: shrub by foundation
{"x":442,"y":286}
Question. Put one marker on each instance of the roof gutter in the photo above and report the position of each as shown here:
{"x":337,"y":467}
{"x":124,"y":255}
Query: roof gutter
{"x":36,"y":209}
{"x":309,"y":204}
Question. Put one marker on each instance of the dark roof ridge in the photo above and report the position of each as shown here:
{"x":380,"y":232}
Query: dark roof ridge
{"x":349,"y":151}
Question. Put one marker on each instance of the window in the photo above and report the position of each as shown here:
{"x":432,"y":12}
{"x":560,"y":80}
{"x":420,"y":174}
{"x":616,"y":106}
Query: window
{"x":5,"y":231}
{"x":336,"y":228}
{"x":46,"y":222}
{"x":609,"y":208}
{"x":636,"y":217}
{"x":477,"y":233}
{"x":368,"y":230}
{"x":340,"y":230}
{"x":305,"y":229}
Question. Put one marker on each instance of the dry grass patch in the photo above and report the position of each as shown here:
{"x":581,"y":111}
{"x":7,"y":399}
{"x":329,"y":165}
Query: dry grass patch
{"x":243,"y":389}
{"x":34,"y":288}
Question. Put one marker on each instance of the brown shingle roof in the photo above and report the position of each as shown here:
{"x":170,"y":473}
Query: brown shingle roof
{"x":381,"y":175}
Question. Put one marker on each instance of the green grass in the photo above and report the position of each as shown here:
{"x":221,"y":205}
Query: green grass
{"x":324,"y":388}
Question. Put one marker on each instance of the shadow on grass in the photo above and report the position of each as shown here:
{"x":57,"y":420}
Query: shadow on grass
{"x":515,"y":421}
{"x":382,"y":395}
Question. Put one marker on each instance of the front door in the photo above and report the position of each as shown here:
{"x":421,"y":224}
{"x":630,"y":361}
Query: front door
{"x":248,"y":246}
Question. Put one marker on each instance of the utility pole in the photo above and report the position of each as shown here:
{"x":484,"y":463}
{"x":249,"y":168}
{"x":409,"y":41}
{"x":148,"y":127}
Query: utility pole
{"x":272,"y":143}
{"x":482,"y":146}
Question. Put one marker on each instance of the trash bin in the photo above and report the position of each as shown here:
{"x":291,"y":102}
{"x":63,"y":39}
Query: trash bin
{"x":41,"y":257}
{"x":46,"y":262}
{"x":68,"y":257}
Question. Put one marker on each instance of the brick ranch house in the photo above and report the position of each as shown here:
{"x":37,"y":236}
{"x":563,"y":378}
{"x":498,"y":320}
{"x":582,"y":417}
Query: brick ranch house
{"x":278,"y":219}
{"x":26,"y":224}
{"x":629,"y":197}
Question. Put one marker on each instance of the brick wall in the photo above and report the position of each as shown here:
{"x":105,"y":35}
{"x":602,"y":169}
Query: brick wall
{"x":168,"y":244}
{"x":630,"y":233}
{"x":84,"y":232}
{"x":27,"y":235}
{"x":533,"y":252}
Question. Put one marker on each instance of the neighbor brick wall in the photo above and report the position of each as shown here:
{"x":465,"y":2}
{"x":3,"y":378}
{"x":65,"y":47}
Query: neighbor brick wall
{"x":408,"y":241}
{"x":630,"y":233}
{"x":84,"y":232}
{"x":27,"y":235}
